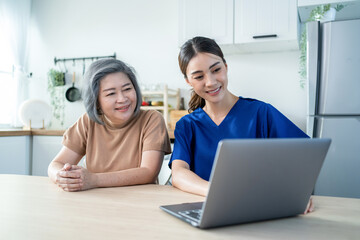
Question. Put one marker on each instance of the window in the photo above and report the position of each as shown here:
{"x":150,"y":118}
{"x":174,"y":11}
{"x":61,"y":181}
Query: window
{"x":8,"y":85}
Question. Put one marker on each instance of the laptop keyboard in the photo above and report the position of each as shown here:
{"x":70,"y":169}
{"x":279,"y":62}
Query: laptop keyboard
{"x":192,"y":214}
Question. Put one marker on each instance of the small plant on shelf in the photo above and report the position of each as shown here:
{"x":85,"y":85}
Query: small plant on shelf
{"x":56,"y":82}
{"x":317,"y":14}
{"x":57,"y":77}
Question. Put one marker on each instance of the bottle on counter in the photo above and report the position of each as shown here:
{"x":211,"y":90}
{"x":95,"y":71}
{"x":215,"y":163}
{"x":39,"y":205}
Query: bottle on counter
{"x":182,"y":105}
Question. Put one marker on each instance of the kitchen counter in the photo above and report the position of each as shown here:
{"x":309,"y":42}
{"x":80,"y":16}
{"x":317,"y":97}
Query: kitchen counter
{"x":33,"y":132}
{"x":46,"y":132}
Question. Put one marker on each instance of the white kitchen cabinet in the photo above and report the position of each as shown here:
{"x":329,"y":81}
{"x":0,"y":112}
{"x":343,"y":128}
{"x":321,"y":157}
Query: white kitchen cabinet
{"x":242,"y":25}
{"x":265,"y":20}
{"x":45,"y":148}
{"x":14,"y":155}
{"x":212,"y":19}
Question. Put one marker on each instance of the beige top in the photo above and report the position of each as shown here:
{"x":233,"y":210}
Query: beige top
{"x":110,"y":149}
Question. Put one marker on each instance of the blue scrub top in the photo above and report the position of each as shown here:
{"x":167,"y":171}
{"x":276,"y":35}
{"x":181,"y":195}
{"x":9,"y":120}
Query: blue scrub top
{"x":197,"y":136}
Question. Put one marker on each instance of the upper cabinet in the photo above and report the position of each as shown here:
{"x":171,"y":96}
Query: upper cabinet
{"x":214,"y":18}
{"x":242,"y":25}
{"x":265,"y":20}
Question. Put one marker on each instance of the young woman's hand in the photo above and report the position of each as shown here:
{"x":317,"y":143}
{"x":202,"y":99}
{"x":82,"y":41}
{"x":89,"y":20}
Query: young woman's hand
{"x":186,"y":180}
{"x":309,"y":207}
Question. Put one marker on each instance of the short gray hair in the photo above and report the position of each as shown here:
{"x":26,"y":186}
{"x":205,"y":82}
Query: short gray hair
{"x":95,"y":73}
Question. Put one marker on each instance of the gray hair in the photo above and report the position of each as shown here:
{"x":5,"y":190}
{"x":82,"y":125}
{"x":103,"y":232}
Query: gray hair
{"x":95,"y":73}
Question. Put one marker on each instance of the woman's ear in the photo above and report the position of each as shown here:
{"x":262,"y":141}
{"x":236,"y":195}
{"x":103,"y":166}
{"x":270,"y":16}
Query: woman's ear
{"x":187,"y":81}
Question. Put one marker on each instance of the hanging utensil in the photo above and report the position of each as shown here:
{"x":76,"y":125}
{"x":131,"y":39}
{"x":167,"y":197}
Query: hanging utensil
{"x":83,"y":66}
{"x":73,"y":94}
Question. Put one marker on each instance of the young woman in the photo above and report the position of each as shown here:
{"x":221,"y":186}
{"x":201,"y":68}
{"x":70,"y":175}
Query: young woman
{"x":123,"y":144}
{"x":215,"y":114}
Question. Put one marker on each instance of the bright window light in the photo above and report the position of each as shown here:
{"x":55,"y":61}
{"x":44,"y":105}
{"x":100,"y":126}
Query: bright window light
{"x":7,"y":83}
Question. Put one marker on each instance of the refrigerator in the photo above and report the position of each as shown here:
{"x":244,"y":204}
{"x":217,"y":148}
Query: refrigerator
{"x":333,"y":99}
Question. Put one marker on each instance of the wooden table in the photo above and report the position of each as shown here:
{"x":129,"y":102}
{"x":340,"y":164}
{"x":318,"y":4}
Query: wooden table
{"x":35,"y":208}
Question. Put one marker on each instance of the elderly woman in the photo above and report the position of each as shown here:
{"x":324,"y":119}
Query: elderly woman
{"x":123,"y":144}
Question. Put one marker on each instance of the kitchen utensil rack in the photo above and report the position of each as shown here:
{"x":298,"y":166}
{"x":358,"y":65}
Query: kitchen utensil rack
{"x":82,"y":58}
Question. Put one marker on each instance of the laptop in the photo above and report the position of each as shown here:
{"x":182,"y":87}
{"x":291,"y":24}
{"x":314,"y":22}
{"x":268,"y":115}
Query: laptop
{"x":255,"y":180}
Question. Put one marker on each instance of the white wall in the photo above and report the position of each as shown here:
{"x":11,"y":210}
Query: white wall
{"x":270,"y":77}
{"x":144,"y":34}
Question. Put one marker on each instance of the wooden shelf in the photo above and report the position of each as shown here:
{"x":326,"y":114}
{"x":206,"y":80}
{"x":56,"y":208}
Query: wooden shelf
{"x":171,"y":93}
{"x":164,"y":94}
{"x":159,"y":108}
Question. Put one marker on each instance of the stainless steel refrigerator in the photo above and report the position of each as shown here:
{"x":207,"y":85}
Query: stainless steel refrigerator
{"x":333,"y":63}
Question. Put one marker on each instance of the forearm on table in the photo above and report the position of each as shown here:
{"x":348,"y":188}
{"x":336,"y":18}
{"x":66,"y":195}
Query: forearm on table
{"x":188,"y":181}
{"x":133,"y":176}
{"x":53,"y":168}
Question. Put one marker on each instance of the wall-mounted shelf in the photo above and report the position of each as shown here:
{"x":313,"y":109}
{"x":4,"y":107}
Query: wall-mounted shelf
{"x":159,"y":108}
{"x":164,"y":94}
{"x":82,"y":58}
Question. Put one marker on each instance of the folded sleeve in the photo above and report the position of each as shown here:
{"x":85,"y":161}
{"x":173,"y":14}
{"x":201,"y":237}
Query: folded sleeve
{"x":156,"y":136}
{"x":75,"y":137}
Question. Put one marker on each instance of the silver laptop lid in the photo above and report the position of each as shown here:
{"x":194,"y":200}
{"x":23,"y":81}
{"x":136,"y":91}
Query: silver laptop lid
{"x":260,"y":179}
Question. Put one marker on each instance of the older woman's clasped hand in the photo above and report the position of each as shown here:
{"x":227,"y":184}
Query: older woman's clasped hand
{"x":73,"y":178}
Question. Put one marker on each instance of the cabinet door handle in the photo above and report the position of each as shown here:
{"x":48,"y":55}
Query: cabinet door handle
{"x":265,"y":36}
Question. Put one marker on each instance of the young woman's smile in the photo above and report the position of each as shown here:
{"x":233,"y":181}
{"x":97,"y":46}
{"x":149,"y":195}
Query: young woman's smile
{"x":214,"y":92}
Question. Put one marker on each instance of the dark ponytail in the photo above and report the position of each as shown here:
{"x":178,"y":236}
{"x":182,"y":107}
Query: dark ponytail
{"x":187,"y":52}
{"x":195,"y":102}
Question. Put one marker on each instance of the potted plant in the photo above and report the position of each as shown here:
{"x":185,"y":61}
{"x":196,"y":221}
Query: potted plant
{"x":57,"y":77}
{"x":56,"y":82}
{"x":321,"y":13}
